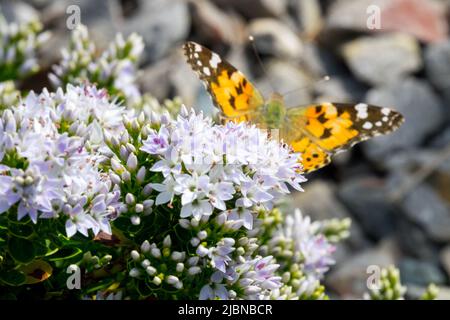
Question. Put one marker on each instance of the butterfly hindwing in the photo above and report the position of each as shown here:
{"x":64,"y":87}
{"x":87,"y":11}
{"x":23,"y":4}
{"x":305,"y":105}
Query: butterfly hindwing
{"x":320,"y":131}
{"x":230,"y":90}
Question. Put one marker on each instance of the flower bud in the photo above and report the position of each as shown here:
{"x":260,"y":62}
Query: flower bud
{"x":229,"y":242}
{"x":192,"y":261}
{"x":139,"y":208}
{"x":132,"y":162}
{"x":135,"y":255}
{"x":167,"y":242}
{"x":195,"y":241}
{"x":125,"y":137}
{"x":202,"y":235}
{"x":145,"y":263}
{"x":202,"y":251}
{"x":243,"y":241}
{"x":135,"y":220}
{"x":221,"y":218}
{"x":147,"y":190}
{"x":130,"y":148}
{"x":150,"y":270}
{"x":194,"y":270}
{"x":134,"y":273}
{"x":154,"y":117}
{"x":172,"y":279}
{"x":165,"y":118}
{"x":106,"y":258}
{"x":177,"y":256}
{"x":135,"y":125}
{"x":195,"y":222}
{"x":145,"y":246}
{"x":179,"y":267}
{"x":115,"y":178}
{"x":184,"y":111}
{"x":156,"y":252}
{"x":115,"y":142}
{"x":184,"y":223}
{"x":157,"y":280}
{"x":251,"y":290}
{"x":126,"y":176}
{"x":116,"y":166}
{"x":123,"y":152}
{"x":140,"y":176}
{"x":130,"y":199}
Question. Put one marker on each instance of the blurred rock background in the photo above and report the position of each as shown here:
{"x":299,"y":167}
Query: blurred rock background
{"x":396,"y":189}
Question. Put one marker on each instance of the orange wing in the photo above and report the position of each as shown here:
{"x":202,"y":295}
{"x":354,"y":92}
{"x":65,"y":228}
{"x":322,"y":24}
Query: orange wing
{"x":230,"y":90}
{"x":322,"y":130}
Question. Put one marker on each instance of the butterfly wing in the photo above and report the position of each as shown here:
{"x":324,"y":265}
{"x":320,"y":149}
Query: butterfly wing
{"x":231,"y":92}
{"x":322,"y":130}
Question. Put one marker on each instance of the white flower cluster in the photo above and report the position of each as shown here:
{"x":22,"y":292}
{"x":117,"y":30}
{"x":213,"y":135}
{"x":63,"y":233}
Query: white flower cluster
{"x":245,"y":278}
{"x":233,"y":169}
{"x":115,"y":68}
{"x":304,"y":251}
{"x":164,"y":266}
{"x":18,"y":44}
{"x":47,"y":168}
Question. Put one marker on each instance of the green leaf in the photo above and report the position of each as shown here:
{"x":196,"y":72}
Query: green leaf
{"x":21,"y":230}
{"x":12,"y":277}
{"x":45,"y":248}
{"x":22,"y":250}
{"x":65,"y":253}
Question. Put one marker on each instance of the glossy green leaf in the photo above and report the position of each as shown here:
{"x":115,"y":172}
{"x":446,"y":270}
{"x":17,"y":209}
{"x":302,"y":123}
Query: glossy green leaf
{"x":65,"y":253}
{"x":12,"y":277}
{"x":21,"y":230}
{"x":22,"y":250}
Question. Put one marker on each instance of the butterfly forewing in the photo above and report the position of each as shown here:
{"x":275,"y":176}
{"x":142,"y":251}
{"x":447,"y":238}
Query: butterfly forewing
{"x":320,"y":131}
{"x":230,"y":90}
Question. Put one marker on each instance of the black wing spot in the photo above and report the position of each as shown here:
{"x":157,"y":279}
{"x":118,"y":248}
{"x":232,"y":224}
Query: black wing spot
{"x":318,"y":109}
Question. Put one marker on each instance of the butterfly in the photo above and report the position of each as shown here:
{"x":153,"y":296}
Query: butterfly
{"x":316,"y":131}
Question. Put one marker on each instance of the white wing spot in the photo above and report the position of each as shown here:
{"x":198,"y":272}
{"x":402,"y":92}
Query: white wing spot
{"x":215,"y":60}
{"x":206,"y":71}
{"x":378,"y":123}
{"x":367,"y":125}
{"x":362,"y":110}
{"x":197,"y":48}
{"x":385,"y":111}
{"x":196,"y":55}
{"x":385,"y":119}
{"x":199,"y":63}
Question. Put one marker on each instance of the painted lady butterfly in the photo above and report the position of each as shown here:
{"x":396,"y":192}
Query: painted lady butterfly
{"x":317,"y":131}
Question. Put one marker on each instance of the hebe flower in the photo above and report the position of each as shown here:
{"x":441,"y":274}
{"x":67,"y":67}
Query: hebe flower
{"x":213,"y":167}
{"x":47,"y":169}
{"x":18,"y":46}
{"x":305,"y":255}
{"x":115,"y":69}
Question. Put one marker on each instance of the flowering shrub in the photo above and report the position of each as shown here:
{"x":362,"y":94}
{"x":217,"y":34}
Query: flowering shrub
{"x":146,"y":201}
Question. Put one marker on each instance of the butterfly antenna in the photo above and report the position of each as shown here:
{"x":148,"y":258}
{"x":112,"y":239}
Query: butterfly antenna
{"x":323,"y":79}
{"x":260,"y":63}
